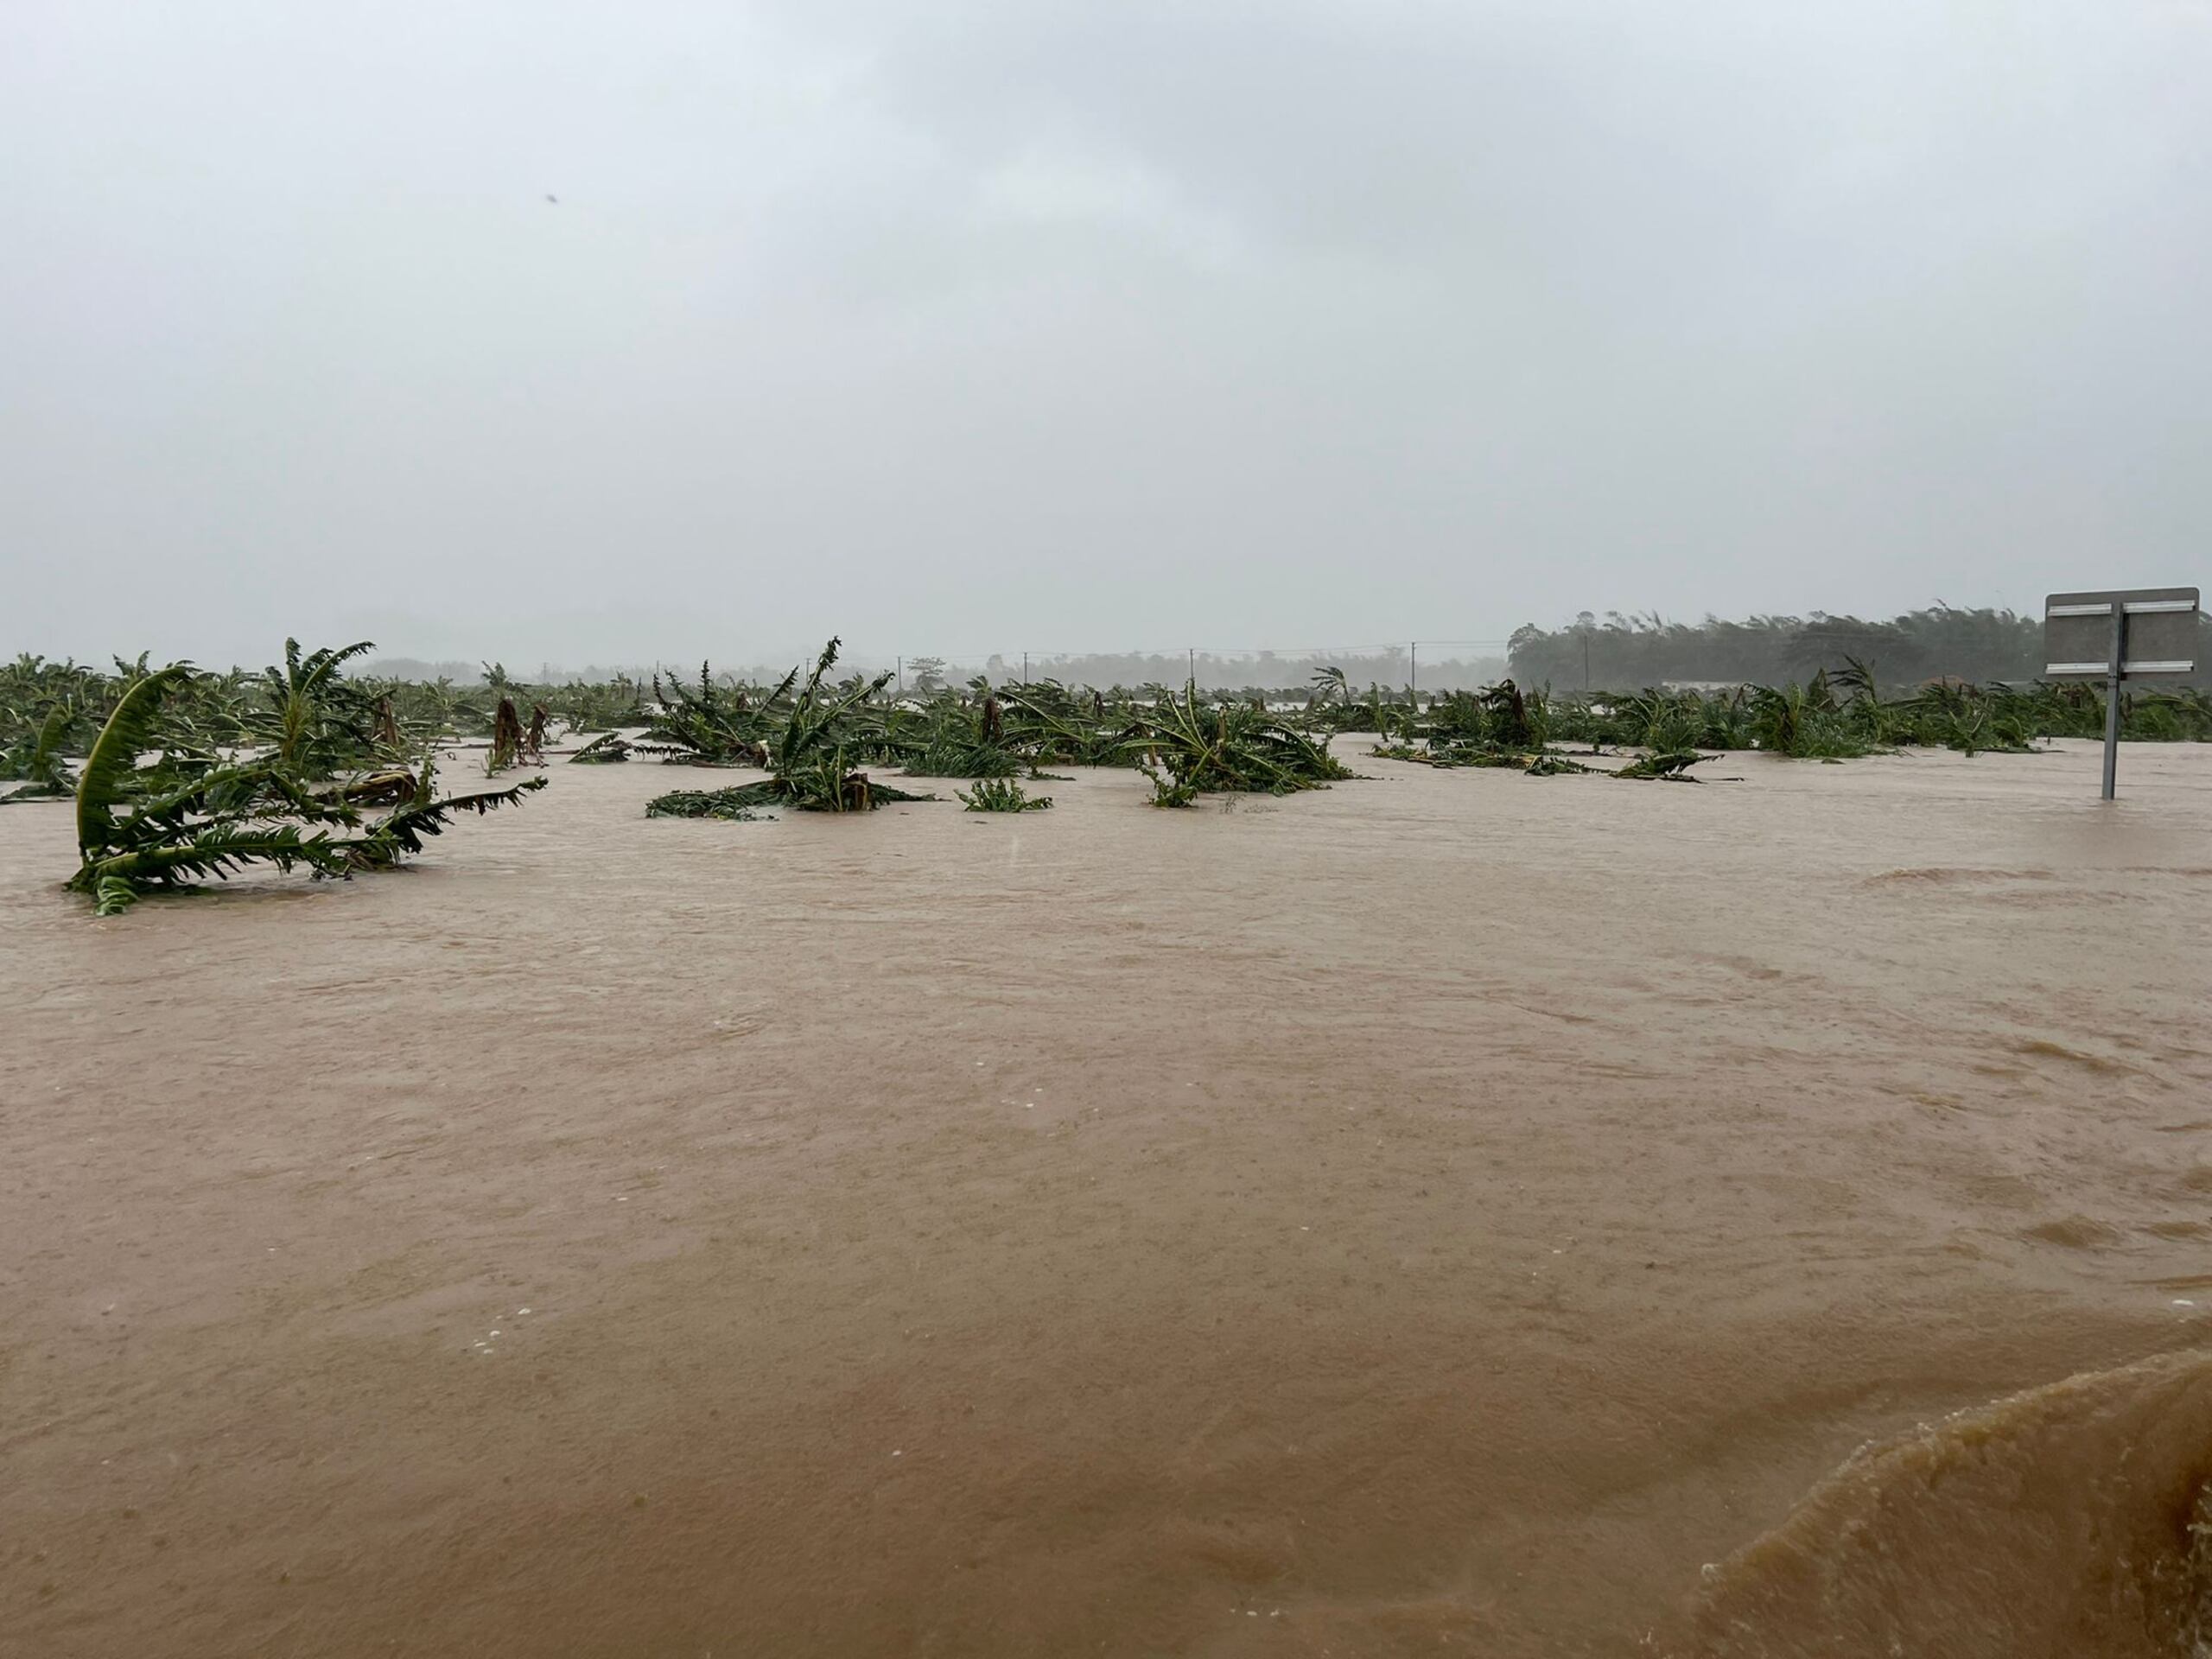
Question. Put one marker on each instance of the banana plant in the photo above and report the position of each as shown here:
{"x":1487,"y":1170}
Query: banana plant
{"x":35,"y":760}
{"x":315,"y":721}
{"x":810,"y":756}
{"x":131,"y":842}
{"x":1001,"y":795}
{"x":712,"y":724}
{"x":1189,"y":747}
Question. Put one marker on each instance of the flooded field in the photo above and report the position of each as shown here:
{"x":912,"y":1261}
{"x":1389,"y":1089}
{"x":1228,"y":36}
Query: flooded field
{"x":1443,"y":1213}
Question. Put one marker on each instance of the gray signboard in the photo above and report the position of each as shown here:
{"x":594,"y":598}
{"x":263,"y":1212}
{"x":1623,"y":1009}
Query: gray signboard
{"x":2138,"y":633}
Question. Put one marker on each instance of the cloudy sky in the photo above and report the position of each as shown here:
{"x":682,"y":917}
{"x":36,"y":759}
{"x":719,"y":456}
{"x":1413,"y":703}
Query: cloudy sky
{"x":597,"y":331}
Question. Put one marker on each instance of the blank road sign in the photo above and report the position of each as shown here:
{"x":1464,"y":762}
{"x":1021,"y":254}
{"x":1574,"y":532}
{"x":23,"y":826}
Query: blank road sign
{"x":2158,"y":626}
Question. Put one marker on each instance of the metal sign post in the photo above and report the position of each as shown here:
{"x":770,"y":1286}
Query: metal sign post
{"x":2135,"y":634}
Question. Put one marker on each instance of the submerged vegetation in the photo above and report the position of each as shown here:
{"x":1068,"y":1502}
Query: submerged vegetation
{"x":709,"y":724}
{"x":1832,"y":716}
{"x":35,"y":758}
{"x":144,"y":828}
{"x":810,"y":745}
{"x":1001,"y":795}
{"x":181,"y":774}
{"x":734,"y":804}
{"x":1189,"y":747}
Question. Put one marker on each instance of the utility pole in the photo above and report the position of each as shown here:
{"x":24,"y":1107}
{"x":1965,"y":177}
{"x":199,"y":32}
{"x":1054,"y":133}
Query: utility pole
{"x":1586,"y":659}
{"x":1412,"y":669}
{"x":902,"y":676}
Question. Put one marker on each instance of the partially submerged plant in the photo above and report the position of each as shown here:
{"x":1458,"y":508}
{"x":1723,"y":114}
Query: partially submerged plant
{"x":1668,"y":768}
{"x":1001,"y":795}
{"x":710,"y":724}
{"x":1804,"y":722}
{"x":1408,"y":752}
{"x":707,"y":804}
{"x":1553,"y":766}
{"x":507,"y":740}
{"x":131,"y":842}
{"x":606,"y":749}
{"x":1052,"y":725}
{"x":952,"y":736}
{"x":1969,"y":720}
{"x":35,"y":760}
{"x":1510,"y":726}
{"x":384,"y":731}
{"x":810,"y":763}
{"x":1189,"y":747}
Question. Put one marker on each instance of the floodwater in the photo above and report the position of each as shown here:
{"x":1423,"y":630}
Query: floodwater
{"x":1452,"y":1213}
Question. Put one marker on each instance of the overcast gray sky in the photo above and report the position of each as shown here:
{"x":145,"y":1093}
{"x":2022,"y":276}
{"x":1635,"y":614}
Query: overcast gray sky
{"x":1085,"y":323}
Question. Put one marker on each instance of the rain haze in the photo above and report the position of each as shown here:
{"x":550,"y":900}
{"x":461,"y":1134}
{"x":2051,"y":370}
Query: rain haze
{"x":1435,"y":952}
{"x":588,"y":334}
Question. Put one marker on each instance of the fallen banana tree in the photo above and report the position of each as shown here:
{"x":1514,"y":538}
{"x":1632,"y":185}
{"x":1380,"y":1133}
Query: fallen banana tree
{"x":809,"y":757}
{"x":1188,"y":747}
{"x":226,"y":816}
{"x":36,"y":761}
{"x":1671,"y":767}
{"x":1001,"y":795}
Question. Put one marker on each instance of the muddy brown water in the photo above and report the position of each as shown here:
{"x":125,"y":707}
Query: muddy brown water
{"x":1450,"y":1212}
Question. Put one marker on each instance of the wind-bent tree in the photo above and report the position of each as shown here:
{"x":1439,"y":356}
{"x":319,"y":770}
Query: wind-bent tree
{"x":1189,"y":747}
{"x":809,"y":756}
{"x":224,"y":816}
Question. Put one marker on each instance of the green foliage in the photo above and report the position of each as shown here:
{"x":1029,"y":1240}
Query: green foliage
{"x":595,"y":706}
{"x":713,"y":723}
{"x":608,"y":748}
{"x":1508,"y":713}
{"x":1190,"y":747}
{"x":317,"y":721}
{"x":1553,"y":766}
{"x":1860,"y":690}
{"x":957,"y":760}
{"x":743,"y":804}
{"x":31,"y":688}
{"x":1666,"y":768}
{"x":1001,"y":795}
{"x":1812,"y":721}
{"x":1052,"y":724}
{"x":404,"y":830}
{"x":810,"y":754}
{"x":953,"y":736}
{"x":807,"y":753}
{"x":35,"y":759}
{"x":111,"y":766}
{"x":1805,"y":723}
{"x":140,"y":830}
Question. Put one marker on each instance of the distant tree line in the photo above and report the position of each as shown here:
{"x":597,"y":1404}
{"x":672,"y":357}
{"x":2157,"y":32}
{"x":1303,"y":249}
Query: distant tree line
{"x":1942,"y":642}
{"x":1618,"y":652}
{"x":1213,"y":671}
{"x":1253,"y":670}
